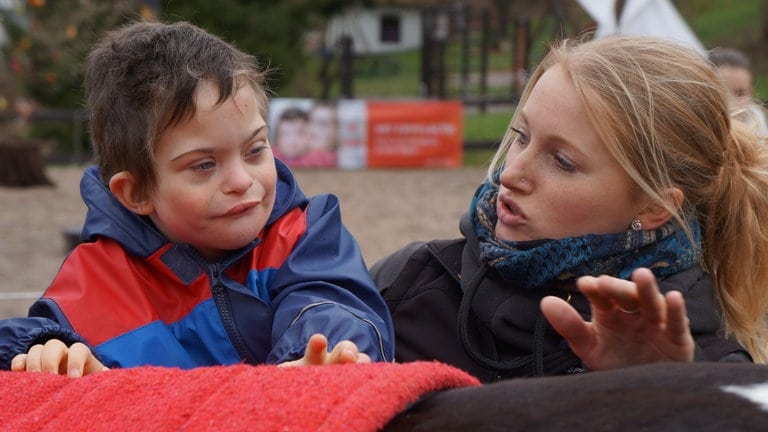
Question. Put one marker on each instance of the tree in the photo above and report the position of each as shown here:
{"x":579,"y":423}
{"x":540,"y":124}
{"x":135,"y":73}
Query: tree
{"x":271,"y":30}
{"x":48,"y":41}
{"x":42,"y":66}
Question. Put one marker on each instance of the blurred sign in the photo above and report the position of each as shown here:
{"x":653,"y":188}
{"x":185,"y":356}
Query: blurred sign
{"x":356,"y":134}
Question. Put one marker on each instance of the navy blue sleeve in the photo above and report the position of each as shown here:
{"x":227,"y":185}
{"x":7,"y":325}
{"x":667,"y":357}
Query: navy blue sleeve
{"x":324,"y":287}
{"x":17,"y":335}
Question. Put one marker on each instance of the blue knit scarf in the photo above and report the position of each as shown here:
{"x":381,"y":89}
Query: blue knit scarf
{"x":533,"y":264}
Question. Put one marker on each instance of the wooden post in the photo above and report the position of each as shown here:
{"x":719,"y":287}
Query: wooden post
{"x":346,"y":67}
{"x":484,"y":52}
{"x":521,"y":57}
{"x":465,"y":23}
{"x":427,"y":27}
{"x":440,"y":37}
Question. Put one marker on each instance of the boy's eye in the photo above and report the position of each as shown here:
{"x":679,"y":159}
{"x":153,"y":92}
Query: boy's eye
{"x":255,"y":151}
{"x":204,"y":166}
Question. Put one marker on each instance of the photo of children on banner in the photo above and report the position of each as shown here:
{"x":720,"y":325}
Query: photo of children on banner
{"x":304,"y":133}
{"x":323,"y":136}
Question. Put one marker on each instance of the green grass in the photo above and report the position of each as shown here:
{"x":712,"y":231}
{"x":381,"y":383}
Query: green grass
{"x":490,"y":126}
{"x":478,"y":157}
{"x":719,"y":23}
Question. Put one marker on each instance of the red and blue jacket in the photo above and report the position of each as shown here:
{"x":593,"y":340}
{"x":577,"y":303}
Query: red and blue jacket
{"x":137,"y":299}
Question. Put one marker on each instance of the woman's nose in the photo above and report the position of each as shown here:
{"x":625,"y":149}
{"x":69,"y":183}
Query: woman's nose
{"x":514,"y":175}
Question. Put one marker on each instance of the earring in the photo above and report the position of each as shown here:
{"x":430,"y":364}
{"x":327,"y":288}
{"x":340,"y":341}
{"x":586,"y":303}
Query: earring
{"x":636,"y":225}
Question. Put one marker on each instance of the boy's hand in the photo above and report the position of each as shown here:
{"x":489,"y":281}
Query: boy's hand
{"x":55,"y":357}
{"x":317,"y":353}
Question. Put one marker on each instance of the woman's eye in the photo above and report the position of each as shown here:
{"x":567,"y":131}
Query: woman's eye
{"x":563,"y":164}
{"x":521,"y":138}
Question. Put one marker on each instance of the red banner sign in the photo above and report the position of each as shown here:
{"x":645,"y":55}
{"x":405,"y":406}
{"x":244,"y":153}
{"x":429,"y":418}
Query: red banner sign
{"x":354,"y":134}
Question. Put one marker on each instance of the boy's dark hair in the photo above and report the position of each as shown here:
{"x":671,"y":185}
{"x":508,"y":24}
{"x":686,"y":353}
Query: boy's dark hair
{"x":140,"y":80}
{"x":730,"y":57}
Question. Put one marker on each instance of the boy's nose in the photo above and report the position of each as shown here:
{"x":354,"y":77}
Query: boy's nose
{"x":238,"y":179}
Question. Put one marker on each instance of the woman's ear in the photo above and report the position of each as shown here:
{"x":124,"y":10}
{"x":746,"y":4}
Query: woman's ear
{"x":123,"y":186}
{"x":655,"y":215}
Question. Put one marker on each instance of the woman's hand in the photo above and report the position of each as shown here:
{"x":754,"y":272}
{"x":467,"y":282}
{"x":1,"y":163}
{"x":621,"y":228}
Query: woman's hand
{"x":317,"y":353}
{"x":55,"y":357}
{"x":632,"y":322}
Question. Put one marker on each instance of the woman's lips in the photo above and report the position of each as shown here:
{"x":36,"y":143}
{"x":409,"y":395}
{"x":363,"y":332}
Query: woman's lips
{"x":509,"y":213}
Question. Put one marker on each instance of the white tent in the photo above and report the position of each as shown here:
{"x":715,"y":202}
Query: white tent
{"x":657,"y":18}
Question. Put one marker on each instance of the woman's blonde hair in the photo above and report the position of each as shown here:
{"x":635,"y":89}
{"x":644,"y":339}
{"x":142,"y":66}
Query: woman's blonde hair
{"x":662,"y":113}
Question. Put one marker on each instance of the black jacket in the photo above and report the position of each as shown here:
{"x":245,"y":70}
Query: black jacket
{"x":504,"y":333}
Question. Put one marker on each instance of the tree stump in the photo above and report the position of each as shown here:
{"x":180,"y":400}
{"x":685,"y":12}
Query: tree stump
{"x":22,"y":164}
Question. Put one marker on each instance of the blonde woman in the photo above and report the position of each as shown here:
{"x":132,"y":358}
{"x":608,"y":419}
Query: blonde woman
{"x":622,"y":222}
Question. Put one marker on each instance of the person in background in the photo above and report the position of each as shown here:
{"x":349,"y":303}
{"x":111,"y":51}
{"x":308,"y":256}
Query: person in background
{"x":199,"y":247}
{"x":622,"y":222}
{"x":735,"y":69}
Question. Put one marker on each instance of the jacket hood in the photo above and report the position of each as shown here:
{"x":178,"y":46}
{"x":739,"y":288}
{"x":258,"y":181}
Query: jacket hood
{"x":107,"y":217}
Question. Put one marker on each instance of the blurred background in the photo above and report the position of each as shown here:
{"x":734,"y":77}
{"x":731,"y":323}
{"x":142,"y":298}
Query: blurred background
{"x":477,"y":52}
{"x":470,"y":56}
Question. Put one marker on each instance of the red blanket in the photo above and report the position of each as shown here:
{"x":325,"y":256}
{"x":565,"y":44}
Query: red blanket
{"x":227,"y":398}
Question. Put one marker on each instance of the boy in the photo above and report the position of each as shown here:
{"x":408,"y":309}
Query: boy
{"x":200,"y":249}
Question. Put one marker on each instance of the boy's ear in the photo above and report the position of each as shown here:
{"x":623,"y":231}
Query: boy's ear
{"x":123,"y":186}
{"x":655,"y":215}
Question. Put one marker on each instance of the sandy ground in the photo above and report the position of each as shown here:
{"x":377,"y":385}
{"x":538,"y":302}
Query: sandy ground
{"x":384,"y":209}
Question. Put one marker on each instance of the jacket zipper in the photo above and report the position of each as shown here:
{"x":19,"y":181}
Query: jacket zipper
{"x":222,"y":305}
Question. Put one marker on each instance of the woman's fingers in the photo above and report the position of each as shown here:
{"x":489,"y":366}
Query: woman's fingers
{"x":678,"y":325}
{"x":650,"y":300}
{"x":567,"y":322}
{"x":606,"y":293}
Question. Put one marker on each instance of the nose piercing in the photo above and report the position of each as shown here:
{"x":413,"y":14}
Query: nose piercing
{"x":522,"y":180}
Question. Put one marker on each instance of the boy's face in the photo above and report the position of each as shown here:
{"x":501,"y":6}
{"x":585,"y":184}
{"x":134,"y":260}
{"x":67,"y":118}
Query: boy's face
{"x":216,"y":175}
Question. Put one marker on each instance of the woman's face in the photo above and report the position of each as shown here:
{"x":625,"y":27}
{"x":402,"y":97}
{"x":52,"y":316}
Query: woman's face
{"x":559,"y":180}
